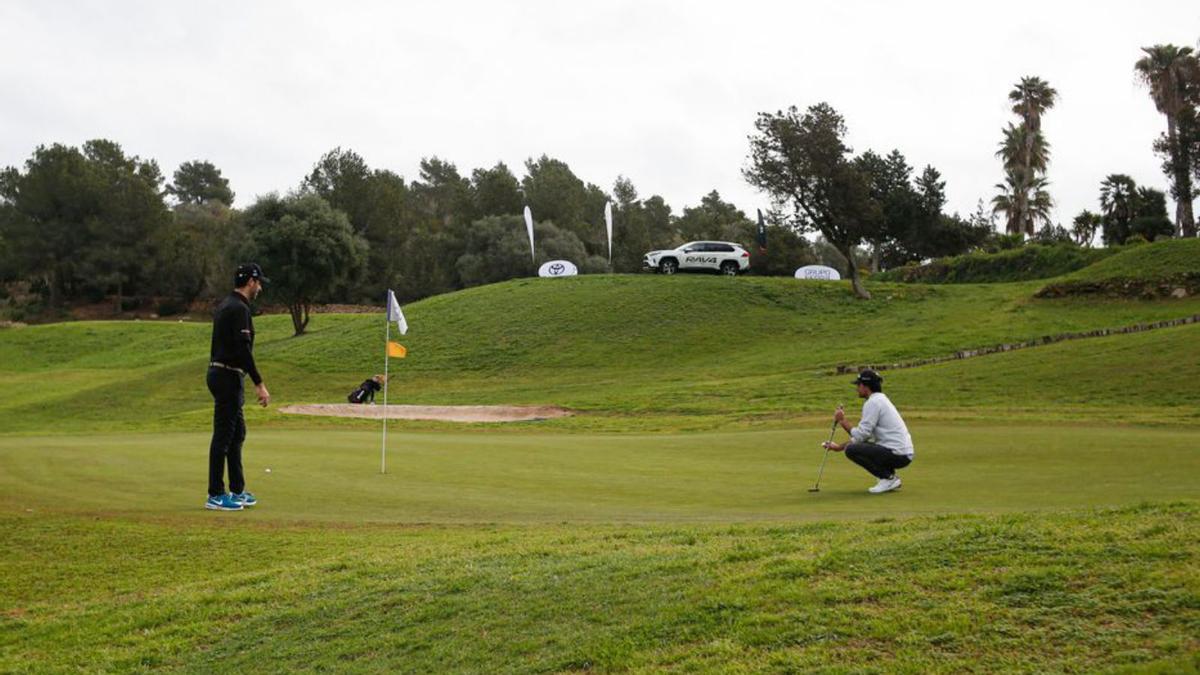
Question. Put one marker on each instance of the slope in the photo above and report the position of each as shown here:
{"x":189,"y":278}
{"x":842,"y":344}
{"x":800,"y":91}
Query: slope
{"x":634,"y":352}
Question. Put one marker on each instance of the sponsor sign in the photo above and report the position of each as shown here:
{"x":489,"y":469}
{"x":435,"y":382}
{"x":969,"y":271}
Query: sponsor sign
{"x":818,"y":272}
{"x":558,"y":268}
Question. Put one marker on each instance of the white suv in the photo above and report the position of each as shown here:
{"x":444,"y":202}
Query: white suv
{"x":718,"y":256}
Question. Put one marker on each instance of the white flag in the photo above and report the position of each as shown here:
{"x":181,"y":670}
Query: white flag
{"x":529,"y":226}
{"x":394,"y":313}
{"x":608,"y":223}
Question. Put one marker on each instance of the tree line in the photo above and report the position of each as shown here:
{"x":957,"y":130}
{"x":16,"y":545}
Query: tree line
{"x":90,"y":223}
{"x":1171,"y":75}
{"x":83,"y":224}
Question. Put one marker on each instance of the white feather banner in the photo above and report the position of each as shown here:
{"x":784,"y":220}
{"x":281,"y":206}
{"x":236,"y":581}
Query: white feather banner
{"x":529,"y":227}
{"x":608,"y":224}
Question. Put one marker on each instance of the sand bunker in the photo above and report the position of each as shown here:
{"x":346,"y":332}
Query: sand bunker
{"x":444,"y":413}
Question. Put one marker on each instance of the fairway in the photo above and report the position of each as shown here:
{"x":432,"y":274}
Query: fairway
{"x":334,"y":476}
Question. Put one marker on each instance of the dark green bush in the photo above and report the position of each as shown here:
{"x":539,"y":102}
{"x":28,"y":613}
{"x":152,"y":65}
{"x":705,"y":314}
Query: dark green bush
{"x":1033,"y":261}
{"x":171,"y":307}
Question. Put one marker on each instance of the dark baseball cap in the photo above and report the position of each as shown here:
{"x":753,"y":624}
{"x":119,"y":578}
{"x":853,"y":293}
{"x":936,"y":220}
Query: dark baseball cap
{"x":247,"y":272}
{"x":868,"y":377}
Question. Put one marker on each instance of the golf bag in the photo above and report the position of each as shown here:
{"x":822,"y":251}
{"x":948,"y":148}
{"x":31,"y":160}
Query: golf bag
{"x":365,"y":393}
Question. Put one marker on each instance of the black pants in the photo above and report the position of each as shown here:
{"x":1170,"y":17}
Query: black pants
{"x":880,"y":461}
{"x":229,"y":430}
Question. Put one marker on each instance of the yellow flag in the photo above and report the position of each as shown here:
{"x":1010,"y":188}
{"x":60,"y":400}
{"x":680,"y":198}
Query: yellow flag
{"x":396,"y":350}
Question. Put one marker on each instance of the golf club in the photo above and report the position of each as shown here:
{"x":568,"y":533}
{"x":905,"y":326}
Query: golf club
{"x":817,"y":486}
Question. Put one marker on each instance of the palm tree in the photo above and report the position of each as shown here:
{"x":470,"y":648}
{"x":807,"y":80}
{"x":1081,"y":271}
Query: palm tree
{"x":1019,"y":140}
{"x":1031,"y":97}
{"x":1169,"y":71}
{"x":1023,"y":198}
{"x":1024,"y":202}
{"x":1118,"y":206}
{"x":1084,"y":227}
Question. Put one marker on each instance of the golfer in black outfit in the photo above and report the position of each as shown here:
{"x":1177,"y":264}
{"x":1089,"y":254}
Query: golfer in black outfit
{"x":230,"y":361}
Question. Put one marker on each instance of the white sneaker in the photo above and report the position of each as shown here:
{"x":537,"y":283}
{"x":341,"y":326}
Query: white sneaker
{"x":885,"y":485}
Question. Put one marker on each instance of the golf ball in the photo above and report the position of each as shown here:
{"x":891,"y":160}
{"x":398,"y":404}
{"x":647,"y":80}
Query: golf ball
{"x":268,"y":471}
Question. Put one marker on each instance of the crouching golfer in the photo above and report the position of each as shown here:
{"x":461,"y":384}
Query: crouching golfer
{"x":230,"y":361}
{"x":880,"y":443}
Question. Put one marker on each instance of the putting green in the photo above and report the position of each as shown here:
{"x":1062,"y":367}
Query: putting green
{"x":333,"y":476}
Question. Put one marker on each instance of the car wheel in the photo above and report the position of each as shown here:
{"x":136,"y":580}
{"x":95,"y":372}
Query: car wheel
{"x":729,"y":268}
{"x":668,"y":266}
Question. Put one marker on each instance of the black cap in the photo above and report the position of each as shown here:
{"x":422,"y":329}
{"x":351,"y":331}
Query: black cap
{"x":247,"y":272}
{"x":868,"y":377}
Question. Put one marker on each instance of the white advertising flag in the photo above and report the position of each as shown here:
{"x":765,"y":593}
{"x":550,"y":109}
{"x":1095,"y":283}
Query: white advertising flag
{"x":608,"y":224}
{"x":395,"y":314}
{"x":529,"y":226}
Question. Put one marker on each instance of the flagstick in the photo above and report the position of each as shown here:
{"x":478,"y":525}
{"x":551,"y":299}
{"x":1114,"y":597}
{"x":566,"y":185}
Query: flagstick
{"x":383,"y":450}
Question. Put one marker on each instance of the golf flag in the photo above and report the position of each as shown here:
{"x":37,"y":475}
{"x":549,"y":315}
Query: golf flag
{"x":762,"y":233}
{"x":392,"y":350}
{"x":529,"y":227}
{"x":608,"y":224}
{"x":395,"y":314}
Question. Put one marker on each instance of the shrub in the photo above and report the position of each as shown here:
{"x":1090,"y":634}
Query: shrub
{"x":171,"y":307}
{"x":1034,"y":261}
{"x":1141,"y":269}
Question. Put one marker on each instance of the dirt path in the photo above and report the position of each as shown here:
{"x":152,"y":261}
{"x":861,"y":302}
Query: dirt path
{"x":444,"y":413}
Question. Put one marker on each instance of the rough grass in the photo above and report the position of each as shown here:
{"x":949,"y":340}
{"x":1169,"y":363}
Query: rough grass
{"x":1160,"y":260}
{"x":1082,"y":591}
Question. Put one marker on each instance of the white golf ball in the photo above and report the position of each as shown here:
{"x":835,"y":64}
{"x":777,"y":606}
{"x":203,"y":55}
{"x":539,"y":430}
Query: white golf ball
{"x":268,"y":471}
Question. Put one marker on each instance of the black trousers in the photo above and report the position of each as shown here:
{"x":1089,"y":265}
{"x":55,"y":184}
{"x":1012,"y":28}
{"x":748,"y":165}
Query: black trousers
{"x":878,"y":460}
{"x":229,"y":430}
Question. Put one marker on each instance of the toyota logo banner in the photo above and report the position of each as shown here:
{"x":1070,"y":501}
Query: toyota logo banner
{"x":558,"y":268}
{"x":818,"y":272}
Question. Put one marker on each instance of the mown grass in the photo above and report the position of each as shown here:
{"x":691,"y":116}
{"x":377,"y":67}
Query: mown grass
{"x":633,"y":352}
{"x":333,"y":476}
{"x":1080,"y":591}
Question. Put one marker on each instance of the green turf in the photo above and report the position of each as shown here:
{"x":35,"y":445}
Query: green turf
{"x":633,"y":352}
{"x":733,"y":476}
{"x":1048,"y":524}
{"x":1076,"y":591}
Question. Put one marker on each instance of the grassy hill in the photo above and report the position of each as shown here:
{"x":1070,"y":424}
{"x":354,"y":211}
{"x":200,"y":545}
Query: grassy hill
{"x":1160,"y":260}
{"x":631,"y":352}
{"x":1149,"y":270}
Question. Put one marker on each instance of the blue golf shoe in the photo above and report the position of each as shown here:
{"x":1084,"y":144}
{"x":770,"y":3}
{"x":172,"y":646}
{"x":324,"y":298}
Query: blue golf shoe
{"x":246,"y":499}
{"x":224,"y":502}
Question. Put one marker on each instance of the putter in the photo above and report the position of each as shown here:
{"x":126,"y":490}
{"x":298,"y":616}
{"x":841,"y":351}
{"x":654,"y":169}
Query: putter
{"x":817,"y":486}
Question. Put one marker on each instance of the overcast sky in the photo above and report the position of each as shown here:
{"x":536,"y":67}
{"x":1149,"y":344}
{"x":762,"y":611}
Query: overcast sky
{"x":664,"y":93}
